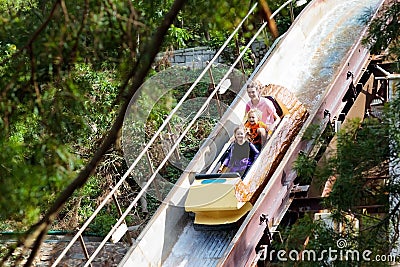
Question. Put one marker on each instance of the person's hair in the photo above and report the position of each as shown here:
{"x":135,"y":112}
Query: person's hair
{"x":255,"y":84}
{"x":255,"y":111}
{"x":237,"y":128}
{"x":246,"y":138}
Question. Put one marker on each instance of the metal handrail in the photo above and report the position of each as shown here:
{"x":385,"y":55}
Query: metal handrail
{"x":146,"y":148}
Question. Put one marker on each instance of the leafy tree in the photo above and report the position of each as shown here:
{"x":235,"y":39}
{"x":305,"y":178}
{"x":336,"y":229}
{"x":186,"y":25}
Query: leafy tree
{"x":384,"y":31}
{"x":44,"y":103}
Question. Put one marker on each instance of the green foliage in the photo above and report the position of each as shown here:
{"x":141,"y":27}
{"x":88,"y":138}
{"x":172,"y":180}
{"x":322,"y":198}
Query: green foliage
{"x":103,"y":223}
{"x":17,"y":5}
{"x":393,"y":120}
{"x":311,"y":132}
{"x":171,"y":173}
{"x":233,"y":50}
{"x":43,"y":137}
{"x":305,"y":168}
{"x":178,"y":36}
{"x":306,"y":165}
{"x":99,"y":100}
{"x":27,"y":191}
{"x":297,"y":234}
{"x":384,"y":31}
{"x":361,"y":147}
{"x":363,"y":151}
{"x":161,"y":110}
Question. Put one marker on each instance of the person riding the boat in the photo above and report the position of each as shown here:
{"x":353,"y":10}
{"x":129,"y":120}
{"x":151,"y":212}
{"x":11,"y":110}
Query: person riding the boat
{"x":267,"y":108}
{"x":256,"y":130}
{"x":241,"y":154}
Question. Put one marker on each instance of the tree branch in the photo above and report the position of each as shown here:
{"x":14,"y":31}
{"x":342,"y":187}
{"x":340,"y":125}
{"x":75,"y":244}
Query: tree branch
{"x":137,"y":76}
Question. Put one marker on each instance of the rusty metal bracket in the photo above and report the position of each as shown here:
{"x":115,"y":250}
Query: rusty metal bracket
{"x":327,"y":113}
{"x":263,"y":218}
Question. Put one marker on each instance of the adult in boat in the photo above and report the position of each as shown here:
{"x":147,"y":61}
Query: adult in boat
{"x":241,"y":154}
{"x":263,"y":104}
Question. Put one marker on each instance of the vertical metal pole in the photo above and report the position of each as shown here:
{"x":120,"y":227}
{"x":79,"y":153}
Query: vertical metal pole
{"x":156,"y":187}
{"x":176,"y":151}
{"x":127,"y":234}
{"x":85,"y":251}
{"x":216,"y":95}
{"x":238,"y":52}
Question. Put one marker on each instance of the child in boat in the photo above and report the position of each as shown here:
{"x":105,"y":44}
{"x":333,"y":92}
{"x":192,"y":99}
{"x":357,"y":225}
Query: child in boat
{"x":241,"y":154}
{"x":256,"y":129}
{"x":263,"y":104}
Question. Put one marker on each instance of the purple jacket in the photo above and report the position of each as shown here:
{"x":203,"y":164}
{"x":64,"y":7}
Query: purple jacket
{"x":241,"y":157}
